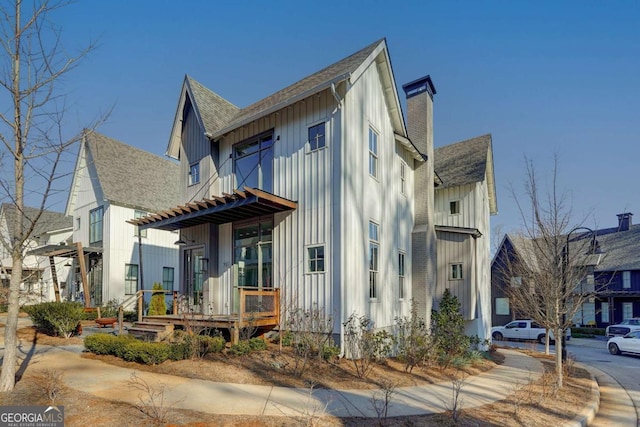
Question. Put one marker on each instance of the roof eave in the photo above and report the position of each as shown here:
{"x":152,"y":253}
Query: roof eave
{"x":280,"y":105}
{"x":173,"y":148}
{"x":408,"y":145}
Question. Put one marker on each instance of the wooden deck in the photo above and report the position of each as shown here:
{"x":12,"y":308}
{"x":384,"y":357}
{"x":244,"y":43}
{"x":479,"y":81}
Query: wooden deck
{"x":259,"y":309}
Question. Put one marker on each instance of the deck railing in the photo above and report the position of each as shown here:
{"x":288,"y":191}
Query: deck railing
{"x":259,"y":303}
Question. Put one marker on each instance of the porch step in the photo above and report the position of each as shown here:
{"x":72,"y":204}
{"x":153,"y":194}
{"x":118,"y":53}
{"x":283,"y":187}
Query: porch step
{"x":151,"y":331}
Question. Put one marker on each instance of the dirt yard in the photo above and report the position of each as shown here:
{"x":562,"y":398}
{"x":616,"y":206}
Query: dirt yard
{"x":530,"y":405}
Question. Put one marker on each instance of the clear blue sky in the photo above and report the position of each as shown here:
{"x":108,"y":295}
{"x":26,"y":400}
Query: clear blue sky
{"x":542,"y":77}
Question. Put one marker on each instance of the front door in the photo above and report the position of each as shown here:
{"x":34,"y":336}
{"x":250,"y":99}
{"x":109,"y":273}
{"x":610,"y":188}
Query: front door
{"x":194,"y":277}
{"x":252,"y":249}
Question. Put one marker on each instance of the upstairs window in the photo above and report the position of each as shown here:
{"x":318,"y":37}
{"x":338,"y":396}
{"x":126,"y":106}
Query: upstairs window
{"x":139,"y":214}
{"x":373,"y":153}
{"x":194,"y":173}
{"x":403,"y":177}
{"x":454,"y":207}
{"x":253,"y":163}
{"x":317,"y":136}
{"x":95,"y":225}
{"x":626,"y":280}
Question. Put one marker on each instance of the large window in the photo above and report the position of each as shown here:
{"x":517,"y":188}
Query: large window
{"x":604,"y":312}
{"x":130,"y":279}
{"x":374,"y":245}
{"x":139,"y":214}
{"x":95,"y":225}
{"x":626,"y":280}
{"x":627,"y":310}
{"x":373,"y":153}
{"x":167,"y":278}
{"x":316,"y":136}
{"x":401,"y":274}
{"x":194,"y":173}
{"x":316,"y":259}
{"x":502,"y":306}
{"x":253,"y":163}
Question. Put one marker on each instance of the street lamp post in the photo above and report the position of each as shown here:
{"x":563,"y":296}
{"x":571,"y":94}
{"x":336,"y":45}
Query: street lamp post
{"x":565,"y":267}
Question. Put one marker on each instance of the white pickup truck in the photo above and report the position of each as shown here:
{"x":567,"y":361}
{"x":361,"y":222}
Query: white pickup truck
{"x":522,"y":330}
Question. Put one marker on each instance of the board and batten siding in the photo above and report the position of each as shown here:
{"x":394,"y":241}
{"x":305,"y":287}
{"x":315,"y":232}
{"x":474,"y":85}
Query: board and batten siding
{"x":196,"y":148}
{"x":469,"y":206}
{"x":365,"y":198}
{"x":121,"y":247}
{"x":457,"y":248}
{"x":301,"y":175}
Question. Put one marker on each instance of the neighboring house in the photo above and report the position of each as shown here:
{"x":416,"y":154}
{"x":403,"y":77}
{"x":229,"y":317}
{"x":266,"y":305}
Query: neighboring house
{"x":465,"y":198}
{"x":112,"y":183}
{"x":51,"y":228}
{"x":320,"y":190}
{"x":613,"y":279}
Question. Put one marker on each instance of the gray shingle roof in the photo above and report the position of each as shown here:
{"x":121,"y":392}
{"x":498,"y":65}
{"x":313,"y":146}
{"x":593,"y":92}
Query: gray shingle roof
{"x":621,"y":249}
{"x":49,"y":220}
{"x":462,"y":163}
{"x":133,"y":177}
{"x":214,"y":110}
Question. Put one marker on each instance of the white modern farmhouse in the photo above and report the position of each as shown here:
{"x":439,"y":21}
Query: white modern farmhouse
{"x":113,"y":182}
{"x":319,"y":194}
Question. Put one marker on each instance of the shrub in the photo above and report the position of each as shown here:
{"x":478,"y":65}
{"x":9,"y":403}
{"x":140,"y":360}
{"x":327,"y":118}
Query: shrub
{"x":157,"y":305}
{"x":56,"y":318}
{"x":330,"y":352}
{"x":188,"y":345}
{"x":240,"y":349}
{"x":414,"y":341}
{"x":107,"y":344}
{"x":257,"y":344}
{"x":447,"y":330}
{"x":363,"y":346}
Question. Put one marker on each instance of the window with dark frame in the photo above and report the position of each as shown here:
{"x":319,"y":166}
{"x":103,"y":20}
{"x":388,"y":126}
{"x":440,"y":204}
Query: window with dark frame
{"x":317,"y":136}
{"x":454,"y":207}
{"x":401,"y":257}
{"x":455,"y":271}
{"x":373,"y":153}
{"x":95,"y":225}
{"x":194,"y":173}
{"x":374,"y":245}
{"x":139,"y":214}
{"x":315,"y":255}
{"x":130,"y":279}
{"x":253,"y":162}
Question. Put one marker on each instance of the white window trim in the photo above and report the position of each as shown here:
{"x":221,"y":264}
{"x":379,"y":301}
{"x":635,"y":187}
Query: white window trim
{"x":308,"y":149}
{"x":403,"y":177}
{"x":371,"y":127}
{"x":451,"y":271}
{"x":307,"y":259}
{"x":459,"y":207}
{"x":403,"y":276}
{"x":377,"y":270}
{"x":189,"y":183}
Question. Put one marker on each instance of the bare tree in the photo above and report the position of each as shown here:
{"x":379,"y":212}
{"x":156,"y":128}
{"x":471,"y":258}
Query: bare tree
{"x":33,"y":136}
{"x":546,"y":279}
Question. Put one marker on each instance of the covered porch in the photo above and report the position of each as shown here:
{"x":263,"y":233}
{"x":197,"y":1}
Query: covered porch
{"x":249,"y":299}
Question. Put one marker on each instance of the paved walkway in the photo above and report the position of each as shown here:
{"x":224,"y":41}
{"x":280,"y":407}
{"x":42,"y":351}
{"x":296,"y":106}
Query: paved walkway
{"x":111,"y":382}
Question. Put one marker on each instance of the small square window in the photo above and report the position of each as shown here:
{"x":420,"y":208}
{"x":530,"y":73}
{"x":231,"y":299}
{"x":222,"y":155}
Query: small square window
{"x":317,"y":136}
{"x":315,"y":259}
{"x":454,"y":207}
{"x":194,"y":173}
{"x":455,"y":271}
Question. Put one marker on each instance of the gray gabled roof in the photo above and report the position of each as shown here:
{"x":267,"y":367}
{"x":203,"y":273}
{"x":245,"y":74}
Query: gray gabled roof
{"x":467,"y":162}
{"x":339,"y":70}
{"x":621,"y":249}
{"x":132,"y":177}
{"x":462,"y":163}
{"x":218,"y":116}
{"x":215,"y":111}
{"x":49,"y":221}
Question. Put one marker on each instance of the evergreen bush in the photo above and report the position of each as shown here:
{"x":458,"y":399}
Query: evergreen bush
{"x":447,"y":330}
{"x":56,"y":318}
{"x":157,"y":305}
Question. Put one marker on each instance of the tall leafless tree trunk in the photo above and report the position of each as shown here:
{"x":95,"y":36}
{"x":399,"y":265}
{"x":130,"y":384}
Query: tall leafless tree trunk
{"x":32,"y":135}
{"x":545,"y":283}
